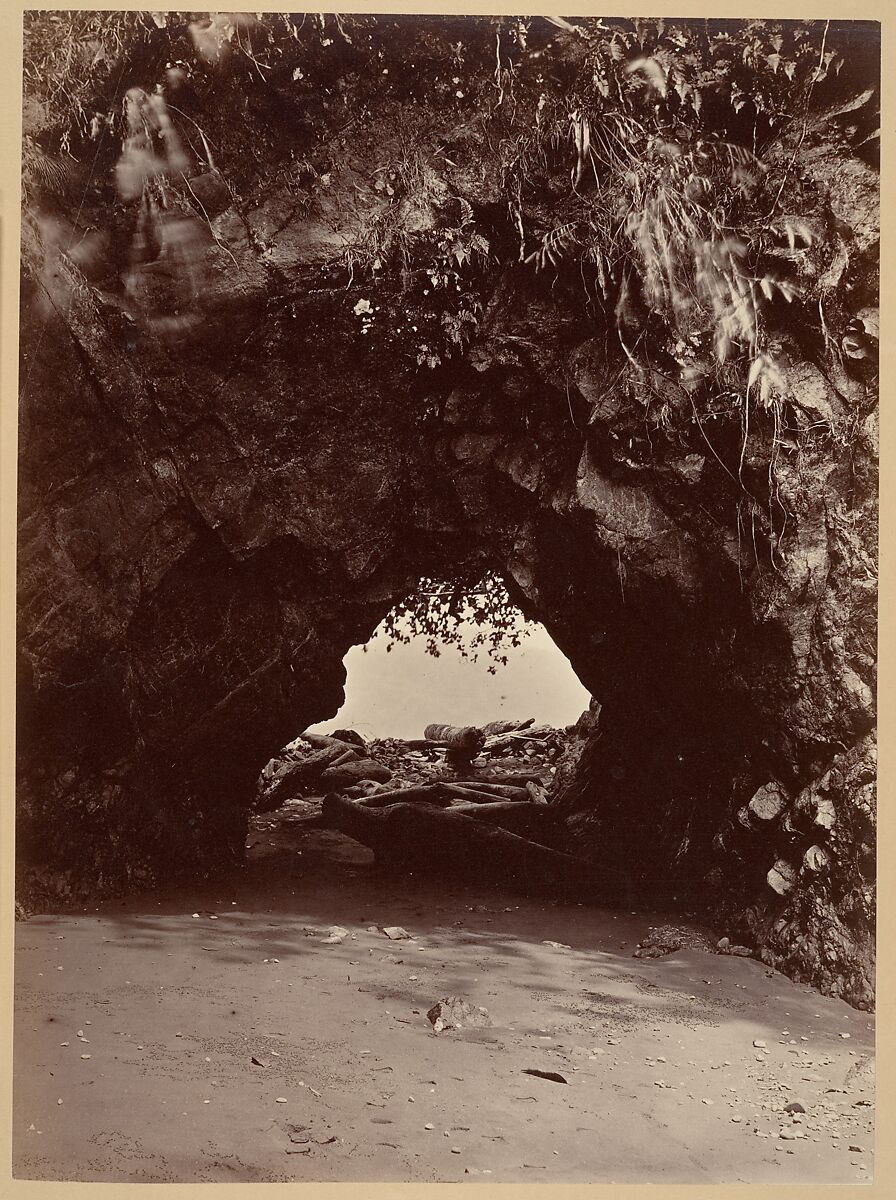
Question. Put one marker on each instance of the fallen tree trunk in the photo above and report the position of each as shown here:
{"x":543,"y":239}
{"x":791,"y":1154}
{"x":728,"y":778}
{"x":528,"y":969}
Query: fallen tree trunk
{"x":322,"y":741}
{"x":348,"y":755}
{"x":293,"y":776}
{"x":424,"y":838}
{"x":467,"y":791}
{"x":354,"y":772}
{"x":536,"y":822}
{"x":440,"y":792}
{"x":504,"y":791}
{"x":512,"y":779}
{"x":457,"y":737}
{"x":493,"y":728}
{"x":507,"y":740}
{"x":427,"y":793}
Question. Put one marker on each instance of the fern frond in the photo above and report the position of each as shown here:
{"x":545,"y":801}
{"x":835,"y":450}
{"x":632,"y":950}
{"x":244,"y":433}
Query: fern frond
{"x":554,"y":245}
{"x":41,"y":171}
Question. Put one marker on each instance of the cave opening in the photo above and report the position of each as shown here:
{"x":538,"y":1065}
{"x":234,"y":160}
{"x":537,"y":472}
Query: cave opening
{"x":404,"y":678}
{"x":453,"y":679}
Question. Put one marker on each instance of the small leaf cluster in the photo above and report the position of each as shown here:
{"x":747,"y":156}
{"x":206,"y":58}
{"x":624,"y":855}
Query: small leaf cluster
{"x":469,"y":614}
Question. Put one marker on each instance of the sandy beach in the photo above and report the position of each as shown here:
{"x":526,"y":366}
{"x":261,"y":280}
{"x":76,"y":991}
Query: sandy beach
{"x":217,"y":1035}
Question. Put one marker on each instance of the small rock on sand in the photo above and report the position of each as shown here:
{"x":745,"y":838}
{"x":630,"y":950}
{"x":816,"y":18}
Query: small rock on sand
{"x":454,"y":1013}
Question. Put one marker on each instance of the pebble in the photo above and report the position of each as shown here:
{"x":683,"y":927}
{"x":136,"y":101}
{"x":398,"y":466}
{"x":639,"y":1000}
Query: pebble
{"x":280,"y":1100}
{"x":759,"y":1043}
{"x":429,"y":1125}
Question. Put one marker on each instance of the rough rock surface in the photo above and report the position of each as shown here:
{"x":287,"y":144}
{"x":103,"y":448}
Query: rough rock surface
{"x":225,"y":486}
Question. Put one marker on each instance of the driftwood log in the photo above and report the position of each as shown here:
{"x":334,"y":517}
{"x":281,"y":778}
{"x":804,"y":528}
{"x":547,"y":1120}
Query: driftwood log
{"x":536,"y":822}
{"x":289,"y":779}
{"x":441,"y":791}
{"x":494,"y":728}
{"x":348,"y":773}
{"x":513,"y":741}
{"x":457,"y":737}
{"x":502,"y":791}
{"x":322,"y":741}
{"x":425,"y":793}
{"x":507,"y":778}
{"x":473,"y":796}
{"x":421,"y":837}
{"x":348,"y":755}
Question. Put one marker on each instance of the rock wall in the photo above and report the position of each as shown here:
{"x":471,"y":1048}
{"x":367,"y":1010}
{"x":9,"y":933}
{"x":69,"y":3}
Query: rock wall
{"x":238,"y":451}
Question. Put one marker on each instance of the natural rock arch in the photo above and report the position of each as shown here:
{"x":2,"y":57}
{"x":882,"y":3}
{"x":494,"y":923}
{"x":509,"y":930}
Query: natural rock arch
{"x":220,"y":492}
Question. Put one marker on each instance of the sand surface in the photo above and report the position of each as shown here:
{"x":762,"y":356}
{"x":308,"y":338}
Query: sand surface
{"x":137,"y":1024}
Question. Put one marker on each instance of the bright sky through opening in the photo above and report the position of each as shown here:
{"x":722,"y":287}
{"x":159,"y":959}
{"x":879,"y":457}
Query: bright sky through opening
{"x":399,"y":692}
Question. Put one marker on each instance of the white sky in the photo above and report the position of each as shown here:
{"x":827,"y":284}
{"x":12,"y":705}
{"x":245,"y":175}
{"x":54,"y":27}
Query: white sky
{"x":399,"y":693}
